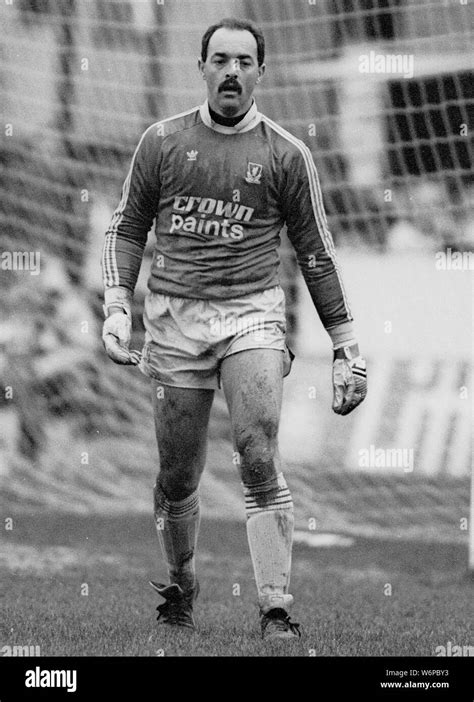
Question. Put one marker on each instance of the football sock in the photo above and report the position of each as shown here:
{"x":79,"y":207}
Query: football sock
{"x":177,"y":526}
{"x":270,"y":520}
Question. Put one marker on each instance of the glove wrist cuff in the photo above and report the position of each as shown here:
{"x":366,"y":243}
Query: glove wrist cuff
{"x":117,"y":297}
{"x":114,"y":307}
{"x":347,"y":352}
{"x":342,"y":334}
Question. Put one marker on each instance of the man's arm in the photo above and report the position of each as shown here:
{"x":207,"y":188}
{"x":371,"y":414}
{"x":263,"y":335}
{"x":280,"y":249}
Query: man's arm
{"x":126,"y":236}
{"x":310,"y":236}
{"x":125,"y":241}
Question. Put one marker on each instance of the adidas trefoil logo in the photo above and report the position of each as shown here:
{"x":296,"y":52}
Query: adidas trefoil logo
{"x":192,"y":154}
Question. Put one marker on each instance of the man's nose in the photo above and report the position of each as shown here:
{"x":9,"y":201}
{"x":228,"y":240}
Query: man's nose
{"x":233,"y":68}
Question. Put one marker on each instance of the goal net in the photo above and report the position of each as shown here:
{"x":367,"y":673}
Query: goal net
{"x":380,"y":90}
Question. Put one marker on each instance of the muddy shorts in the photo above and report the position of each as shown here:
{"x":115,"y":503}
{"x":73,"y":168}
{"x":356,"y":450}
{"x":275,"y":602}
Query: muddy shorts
{"x":186,"y":340}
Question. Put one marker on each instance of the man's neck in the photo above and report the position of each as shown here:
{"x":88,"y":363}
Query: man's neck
{"x":226,"y":121}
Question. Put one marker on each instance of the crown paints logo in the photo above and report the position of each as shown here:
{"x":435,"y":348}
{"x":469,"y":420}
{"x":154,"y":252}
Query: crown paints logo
{"x":192,"y":155}
{"x":200,"y":208}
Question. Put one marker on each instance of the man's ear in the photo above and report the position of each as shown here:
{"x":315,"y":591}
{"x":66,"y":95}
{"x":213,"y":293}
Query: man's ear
{"x":201,"y":65}
{"x":261,"y":71}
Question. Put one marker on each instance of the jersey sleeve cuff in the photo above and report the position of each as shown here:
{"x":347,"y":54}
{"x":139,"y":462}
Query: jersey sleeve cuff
{"x":342,"y":335}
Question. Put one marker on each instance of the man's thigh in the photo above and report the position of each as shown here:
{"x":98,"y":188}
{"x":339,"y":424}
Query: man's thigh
{"x":181,"y":422}
{"x":252,"y":381}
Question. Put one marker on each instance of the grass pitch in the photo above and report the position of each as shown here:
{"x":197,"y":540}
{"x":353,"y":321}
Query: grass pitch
{"x":78,"y":586}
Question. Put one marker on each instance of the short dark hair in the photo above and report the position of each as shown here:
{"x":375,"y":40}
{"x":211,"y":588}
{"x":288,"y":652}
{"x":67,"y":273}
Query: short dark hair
{"x":233,"y":23}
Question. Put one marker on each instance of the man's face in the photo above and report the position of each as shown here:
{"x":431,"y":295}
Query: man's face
{"x":231,"y":71}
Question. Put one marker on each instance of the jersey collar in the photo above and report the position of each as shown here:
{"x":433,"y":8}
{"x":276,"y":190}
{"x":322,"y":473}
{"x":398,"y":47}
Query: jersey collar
{"x":251,"y":119}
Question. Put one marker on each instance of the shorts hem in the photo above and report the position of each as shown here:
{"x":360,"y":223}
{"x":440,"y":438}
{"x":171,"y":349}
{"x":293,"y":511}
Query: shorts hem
{"x":153,"y":375}
{"x":252,"y":348}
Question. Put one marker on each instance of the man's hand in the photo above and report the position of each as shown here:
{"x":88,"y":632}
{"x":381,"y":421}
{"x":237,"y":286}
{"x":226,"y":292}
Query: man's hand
{"x":116,"y":334}
{"x":349,"y":378}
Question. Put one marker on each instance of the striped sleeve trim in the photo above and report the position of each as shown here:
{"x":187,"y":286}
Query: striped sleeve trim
{"x":109,"y":258}
{"x":316,"y":201}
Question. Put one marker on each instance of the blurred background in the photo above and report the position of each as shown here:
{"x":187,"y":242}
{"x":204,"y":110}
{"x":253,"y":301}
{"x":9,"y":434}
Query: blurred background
{"x":79,"y":83}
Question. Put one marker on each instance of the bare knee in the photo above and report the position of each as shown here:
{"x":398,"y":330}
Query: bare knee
{"x":181,"y":466}
{"x":178,"y":484}
{"x":256,"y":445}
{"x":180,"y":474}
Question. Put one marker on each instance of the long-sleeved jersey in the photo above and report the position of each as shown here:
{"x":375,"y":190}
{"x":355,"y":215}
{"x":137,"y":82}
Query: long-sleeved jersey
{"x":220,"y":197}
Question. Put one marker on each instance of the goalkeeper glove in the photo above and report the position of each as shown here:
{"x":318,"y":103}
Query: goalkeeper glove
{"x":117,"y":329}
{"x":349,"y":378}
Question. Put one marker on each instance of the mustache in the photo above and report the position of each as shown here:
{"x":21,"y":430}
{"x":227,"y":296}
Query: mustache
{"x":230,"y":85}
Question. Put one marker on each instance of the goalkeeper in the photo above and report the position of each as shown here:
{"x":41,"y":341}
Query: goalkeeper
{"x":220,"y":181}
